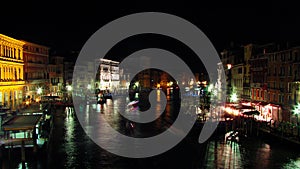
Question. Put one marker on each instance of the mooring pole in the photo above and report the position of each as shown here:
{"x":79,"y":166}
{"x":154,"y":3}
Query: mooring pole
{"x":23,"y":153}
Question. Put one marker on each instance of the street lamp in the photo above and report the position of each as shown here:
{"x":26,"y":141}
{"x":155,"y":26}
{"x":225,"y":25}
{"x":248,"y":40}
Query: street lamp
{"x":39,"y":90}
{"x":297,"y":112}
{"x":69,"y":88}
{"x":233,"y":97}
{"x":229,"y":66}
{"x":89,"y":86}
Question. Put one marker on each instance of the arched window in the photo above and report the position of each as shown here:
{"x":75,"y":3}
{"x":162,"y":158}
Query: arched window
{"x":20,"y":74}
{"x":15,"y":74}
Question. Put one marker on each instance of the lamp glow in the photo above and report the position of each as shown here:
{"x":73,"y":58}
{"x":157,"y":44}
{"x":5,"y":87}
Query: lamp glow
{"x":39,"y":91}
{"x":233,"y":97}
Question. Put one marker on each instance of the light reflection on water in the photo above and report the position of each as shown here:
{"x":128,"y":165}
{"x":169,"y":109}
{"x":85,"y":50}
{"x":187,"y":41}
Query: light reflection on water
{"x":70,"y":140}
{"x":223,"y":155}
{"x":252,"y":153}
{"x":76,"y":150}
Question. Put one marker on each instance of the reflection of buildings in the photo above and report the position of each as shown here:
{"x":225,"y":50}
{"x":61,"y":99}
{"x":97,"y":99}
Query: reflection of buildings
{"x":56,"y":75}
{"x":11,"y":71}
{"x":36,"y":59}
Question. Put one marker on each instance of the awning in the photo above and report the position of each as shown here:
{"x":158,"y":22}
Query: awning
{"x":255,"y":112}
{"x":244,"y":107}
{"x":21,"y":122}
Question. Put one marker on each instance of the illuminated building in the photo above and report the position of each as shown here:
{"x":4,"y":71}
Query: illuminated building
{"x":232,"y":60}
{"x":11,"y":71}
{"x":109,"y":75}
{"x":36,"y":58}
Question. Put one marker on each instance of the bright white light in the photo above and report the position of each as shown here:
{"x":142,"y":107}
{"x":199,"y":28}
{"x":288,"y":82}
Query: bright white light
{"x":210,"y":87}
{"x":39,"y":91}
{"x":233,"y":97}
{"x":69,"y":88}
{"x":229,"y":66}
{"x":297,"y":109}
{"x":89,"y":86}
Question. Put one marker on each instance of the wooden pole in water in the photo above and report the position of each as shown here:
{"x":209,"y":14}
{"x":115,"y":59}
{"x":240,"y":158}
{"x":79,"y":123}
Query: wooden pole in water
{"x":23,"y":152}
{"x":34,"y":137}
{"x":257,"y":129}
{"x":251,"y":121}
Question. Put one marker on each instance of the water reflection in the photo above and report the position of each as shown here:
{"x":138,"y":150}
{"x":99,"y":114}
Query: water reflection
{"x":223,"y":155}
{"x":252,"y":153}
{"x":72,"y":148}
{"x":70,"y":139}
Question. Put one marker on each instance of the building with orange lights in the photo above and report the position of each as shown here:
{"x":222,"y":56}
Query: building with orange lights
{"x":36,"y":58}
{"x":11,"y":71}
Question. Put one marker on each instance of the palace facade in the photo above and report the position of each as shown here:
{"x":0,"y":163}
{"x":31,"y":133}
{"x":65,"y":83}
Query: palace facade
{"x":11,"y":71}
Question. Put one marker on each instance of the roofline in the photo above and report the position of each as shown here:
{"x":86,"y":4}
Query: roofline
{"x":34,"y":44}
{"x":12,"y":39}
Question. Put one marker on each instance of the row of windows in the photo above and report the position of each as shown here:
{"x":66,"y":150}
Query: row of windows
{"x":54,"y":69}
{"x":11,"y":52}
{"x":284,"y":56}
{"x":282,"y":71}
{"x":32,"y":59}
{"x":35,"y":75}
{"x":36,"y":50}
{"x":10,"y":73}
{"x":272,"y":97}
{"x":238,"y":83}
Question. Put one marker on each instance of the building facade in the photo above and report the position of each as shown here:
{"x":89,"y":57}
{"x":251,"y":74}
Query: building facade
{"x":233,"y":62}
{"x":36,"y":59}
{"x":68,"y":72}
{"x":56,"y":75}
{"x":108,"y":74}
{"x":11,"y":73}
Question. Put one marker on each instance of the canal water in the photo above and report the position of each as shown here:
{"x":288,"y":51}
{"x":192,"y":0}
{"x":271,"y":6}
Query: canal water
{"x":71,"y":148}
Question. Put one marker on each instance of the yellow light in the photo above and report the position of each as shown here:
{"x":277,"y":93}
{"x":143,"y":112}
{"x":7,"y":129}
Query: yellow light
{"x":158,"y":85}
{"x":27,"y":102}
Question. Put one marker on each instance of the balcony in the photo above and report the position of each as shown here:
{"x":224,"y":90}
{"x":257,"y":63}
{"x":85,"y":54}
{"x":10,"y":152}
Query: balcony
{"x":6,"y":58}
{"x":11,"y":82}
{"x":32,"y":64}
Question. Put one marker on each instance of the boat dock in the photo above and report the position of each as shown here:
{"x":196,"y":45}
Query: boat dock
{"x":20,"y":129}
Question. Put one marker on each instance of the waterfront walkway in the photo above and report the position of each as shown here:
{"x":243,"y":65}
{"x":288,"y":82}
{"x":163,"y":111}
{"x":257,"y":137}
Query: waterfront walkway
{"x":283,"y":131}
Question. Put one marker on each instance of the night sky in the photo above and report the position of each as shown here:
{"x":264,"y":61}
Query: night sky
{"x":66,"y":27}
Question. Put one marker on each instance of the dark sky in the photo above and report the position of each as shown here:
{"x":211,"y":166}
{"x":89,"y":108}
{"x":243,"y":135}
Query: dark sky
{"x":68,"y":26}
